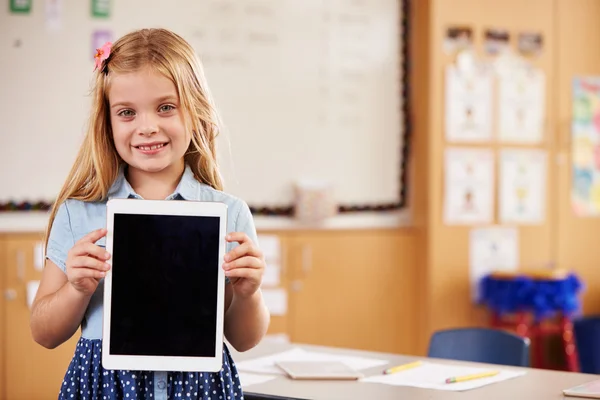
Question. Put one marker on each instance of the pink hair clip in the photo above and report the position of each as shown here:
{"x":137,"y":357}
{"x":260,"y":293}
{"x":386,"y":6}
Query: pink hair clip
{"x":102,"y":54}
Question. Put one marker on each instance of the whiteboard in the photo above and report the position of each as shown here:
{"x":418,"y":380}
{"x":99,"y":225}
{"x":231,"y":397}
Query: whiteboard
{"x":308,"y":90}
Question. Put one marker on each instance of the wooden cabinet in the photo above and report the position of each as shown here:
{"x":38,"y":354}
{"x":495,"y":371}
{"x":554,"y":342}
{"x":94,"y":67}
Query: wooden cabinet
{"x":353,"y":289}
{"x":23,"y":360}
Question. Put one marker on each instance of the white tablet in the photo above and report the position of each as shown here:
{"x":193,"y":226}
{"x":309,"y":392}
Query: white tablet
{"x":164,"y":294}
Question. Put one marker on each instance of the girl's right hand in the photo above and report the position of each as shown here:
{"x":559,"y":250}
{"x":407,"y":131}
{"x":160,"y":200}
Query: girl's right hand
{"x":86,"y":264}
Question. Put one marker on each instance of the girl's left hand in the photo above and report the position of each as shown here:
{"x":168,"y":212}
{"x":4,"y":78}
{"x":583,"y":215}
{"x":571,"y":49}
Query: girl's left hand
{"x":244,"y":265}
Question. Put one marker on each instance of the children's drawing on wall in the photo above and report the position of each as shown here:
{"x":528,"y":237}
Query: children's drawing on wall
{"x":521,"y":105}
{"x":495,"y":41}
{"x":469,"y":205}
{"x":530,"y":44}
{"x":458,"y":38}
{"x":468,"y":186}
{"x":101,"y":8}
{"x":468,"y":104}
{"x":585,"y":147}
{"x":491,"y":249}
{"x":522,"y":186}
{"x":53,"y":14}
{"x":20,"y":6}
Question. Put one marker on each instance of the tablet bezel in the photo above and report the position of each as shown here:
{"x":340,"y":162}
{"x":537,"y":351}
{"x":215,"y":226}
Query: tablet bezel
{"x":164,"y":363}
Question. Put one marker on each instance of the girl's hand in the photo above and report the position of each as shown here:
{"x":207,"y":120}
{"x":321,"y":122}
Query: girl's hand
{"x":244,"y":265}
{"x":86,"y":264}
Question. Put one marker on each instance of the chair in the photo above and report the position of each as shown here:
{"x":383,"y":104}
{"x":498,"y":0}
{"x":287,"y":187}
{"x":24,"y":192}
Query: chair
{"x":483,"y":345}
{"x":587,"y":340}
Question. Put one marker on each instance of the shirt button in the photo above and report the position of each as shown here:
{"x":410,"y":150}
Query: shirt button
{"x":161,"y":385}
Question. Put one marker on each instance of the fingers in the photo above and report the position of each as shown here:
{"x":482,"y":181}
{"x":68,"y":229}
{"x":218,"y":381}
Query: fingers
{"x":244,"y":273}
{"x":86,"y":246}
{"x":244,"y":262}
{"x":90,"y":262}
{"x":237,"y":237}
{"x":77,"y":274}
{"x":93,"y":236}
{"x":91,"y":250}
{"x":246,"y":248}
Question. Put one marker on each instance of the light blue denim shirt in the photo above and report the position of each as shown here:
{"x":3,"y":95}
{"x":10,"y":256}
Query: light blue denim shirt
{"x":75,"y":219}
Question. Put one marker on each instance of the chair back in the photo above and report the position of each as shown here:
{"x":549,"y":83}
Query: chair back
{"x":587,"y":340}
{"x":483,"y":345}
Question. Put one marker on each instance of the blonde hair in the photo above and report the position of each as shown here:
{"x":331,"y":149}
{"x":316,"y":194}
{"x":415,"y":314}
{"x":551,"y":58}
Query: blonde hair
{"x":97,"y":164}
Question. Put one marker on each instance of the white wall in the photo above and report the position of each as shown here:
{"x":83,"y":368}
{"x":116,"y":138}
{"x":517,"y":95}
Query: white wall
{"x":308,"y":90}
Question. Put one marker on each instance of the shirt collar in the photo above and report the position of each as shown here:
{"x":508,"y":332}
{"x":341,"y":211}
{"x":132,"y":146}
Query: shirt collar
{"x":187,"y":189}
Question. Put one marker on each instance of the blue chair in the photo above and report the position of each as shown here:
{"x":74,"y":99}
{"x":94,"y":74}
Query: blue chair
{"x":483,"y":345}
{"x":587,"y":341}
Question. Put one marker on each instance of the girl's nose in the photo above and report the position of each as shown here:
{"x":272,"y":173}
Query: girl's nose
{"x":148,"y":126}
{"x":148,"y":130}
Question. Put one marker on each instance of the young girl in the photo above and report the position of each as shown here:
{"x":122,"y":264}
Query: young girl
{"x":151,"y":135}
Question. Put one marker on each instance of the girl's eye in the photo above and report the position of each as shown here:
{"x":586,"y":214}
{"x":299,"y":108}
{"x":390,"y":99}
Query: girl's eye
{"x":166,"y":108}
{"x":126,"y":113}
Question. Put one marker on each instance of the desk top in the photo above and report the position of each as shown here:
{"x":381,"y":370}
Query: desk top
{"x":536,"y":384}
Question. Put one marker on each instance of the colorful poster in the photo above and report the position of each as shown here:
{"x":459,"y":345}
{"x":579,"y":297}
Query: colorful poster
{"x":493,"y":248}
{"x":523,"y":175}
{"x":101,"y":8}
{"x":20,"y":6}
{"x":521,"y":106}
{"x":468,"y":107}
{"x":585,"y":147}
{"x":469,"y":186}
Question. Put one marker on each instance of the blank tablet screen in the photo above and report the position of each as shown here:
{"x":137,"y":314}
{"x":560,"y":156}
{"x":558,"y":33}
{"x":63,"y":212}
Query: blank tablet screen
{"x":164,"y":285}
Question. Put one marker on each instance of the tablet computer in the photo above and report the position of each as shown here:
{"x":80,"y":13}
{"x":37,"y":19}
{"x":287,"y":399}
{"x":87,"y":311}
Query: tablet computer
{"x":319,"y":370}
{"x":164,"y":294}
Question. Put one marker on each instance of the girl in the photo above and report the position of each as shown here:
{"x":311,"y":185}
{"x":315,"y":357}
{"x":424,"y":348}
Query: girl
{"x":151,"y":135}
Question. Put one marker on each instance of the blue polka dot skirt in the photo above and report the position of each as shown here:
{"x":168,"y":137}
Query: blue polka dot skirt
{"x":86,"y":379}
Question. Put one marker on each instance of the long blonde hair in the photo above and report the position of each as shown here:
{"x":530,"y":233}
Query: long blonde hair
{"x":97,"y":164}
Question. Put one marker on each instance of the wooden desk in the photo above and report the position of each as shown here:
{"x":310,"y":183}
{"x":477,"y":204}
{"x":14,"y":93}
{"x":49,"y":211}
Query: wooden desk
{"x":535,"y":385}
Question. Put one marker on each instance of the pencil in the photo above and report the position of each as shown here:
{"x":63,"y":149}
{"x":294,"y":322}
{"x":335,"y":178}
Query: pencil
{"x":402,"y":367}
{"x":463,"y":378}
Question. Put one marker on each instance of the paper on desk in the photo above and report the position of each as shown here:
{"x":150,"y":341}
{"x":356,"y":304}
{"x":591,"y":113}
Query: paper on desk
{"x":433,"y":376}
{"x":266,"y":365}
{"x":248,"y":379}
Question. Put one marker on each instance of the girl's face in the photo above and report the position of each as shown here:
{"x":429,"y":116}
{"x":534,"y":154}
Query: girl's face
{"x":147,"y":123}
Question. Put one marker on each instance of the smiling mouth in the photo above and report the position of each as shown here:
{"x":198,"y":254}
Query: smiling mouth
{"x":151,"y":147}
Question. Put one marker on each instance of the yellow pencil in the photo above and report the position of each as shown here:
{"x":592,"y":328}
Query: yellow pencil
{"x":471,"y":377}
{"x":402,"y":367}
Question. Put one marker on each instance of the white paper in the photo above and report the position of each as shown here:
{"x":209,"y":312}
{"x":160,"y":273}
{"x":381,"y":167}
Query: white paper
{"x":276,"y":301}
{"x":38,"y":256}
{"x":522,"y":186}
{"x":521,"y":106}
{"x":53,"y":14}
{"x":469,"y":186}
{"x":468,"y":105}
{"x":433,"y":376}
{"x":32,"y":288}
{"x":492,"y":249}
{"x":272,"y":275}
{"x":266,"y":365}
{"x":271,"y":248}
{"x":248,"y":379}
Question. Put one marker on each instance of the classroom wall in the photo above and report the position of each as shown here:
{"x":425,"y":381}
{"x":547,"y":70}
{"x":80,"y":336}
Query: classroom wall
{"x":571,"y":35}
{"x":293,"y":81}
